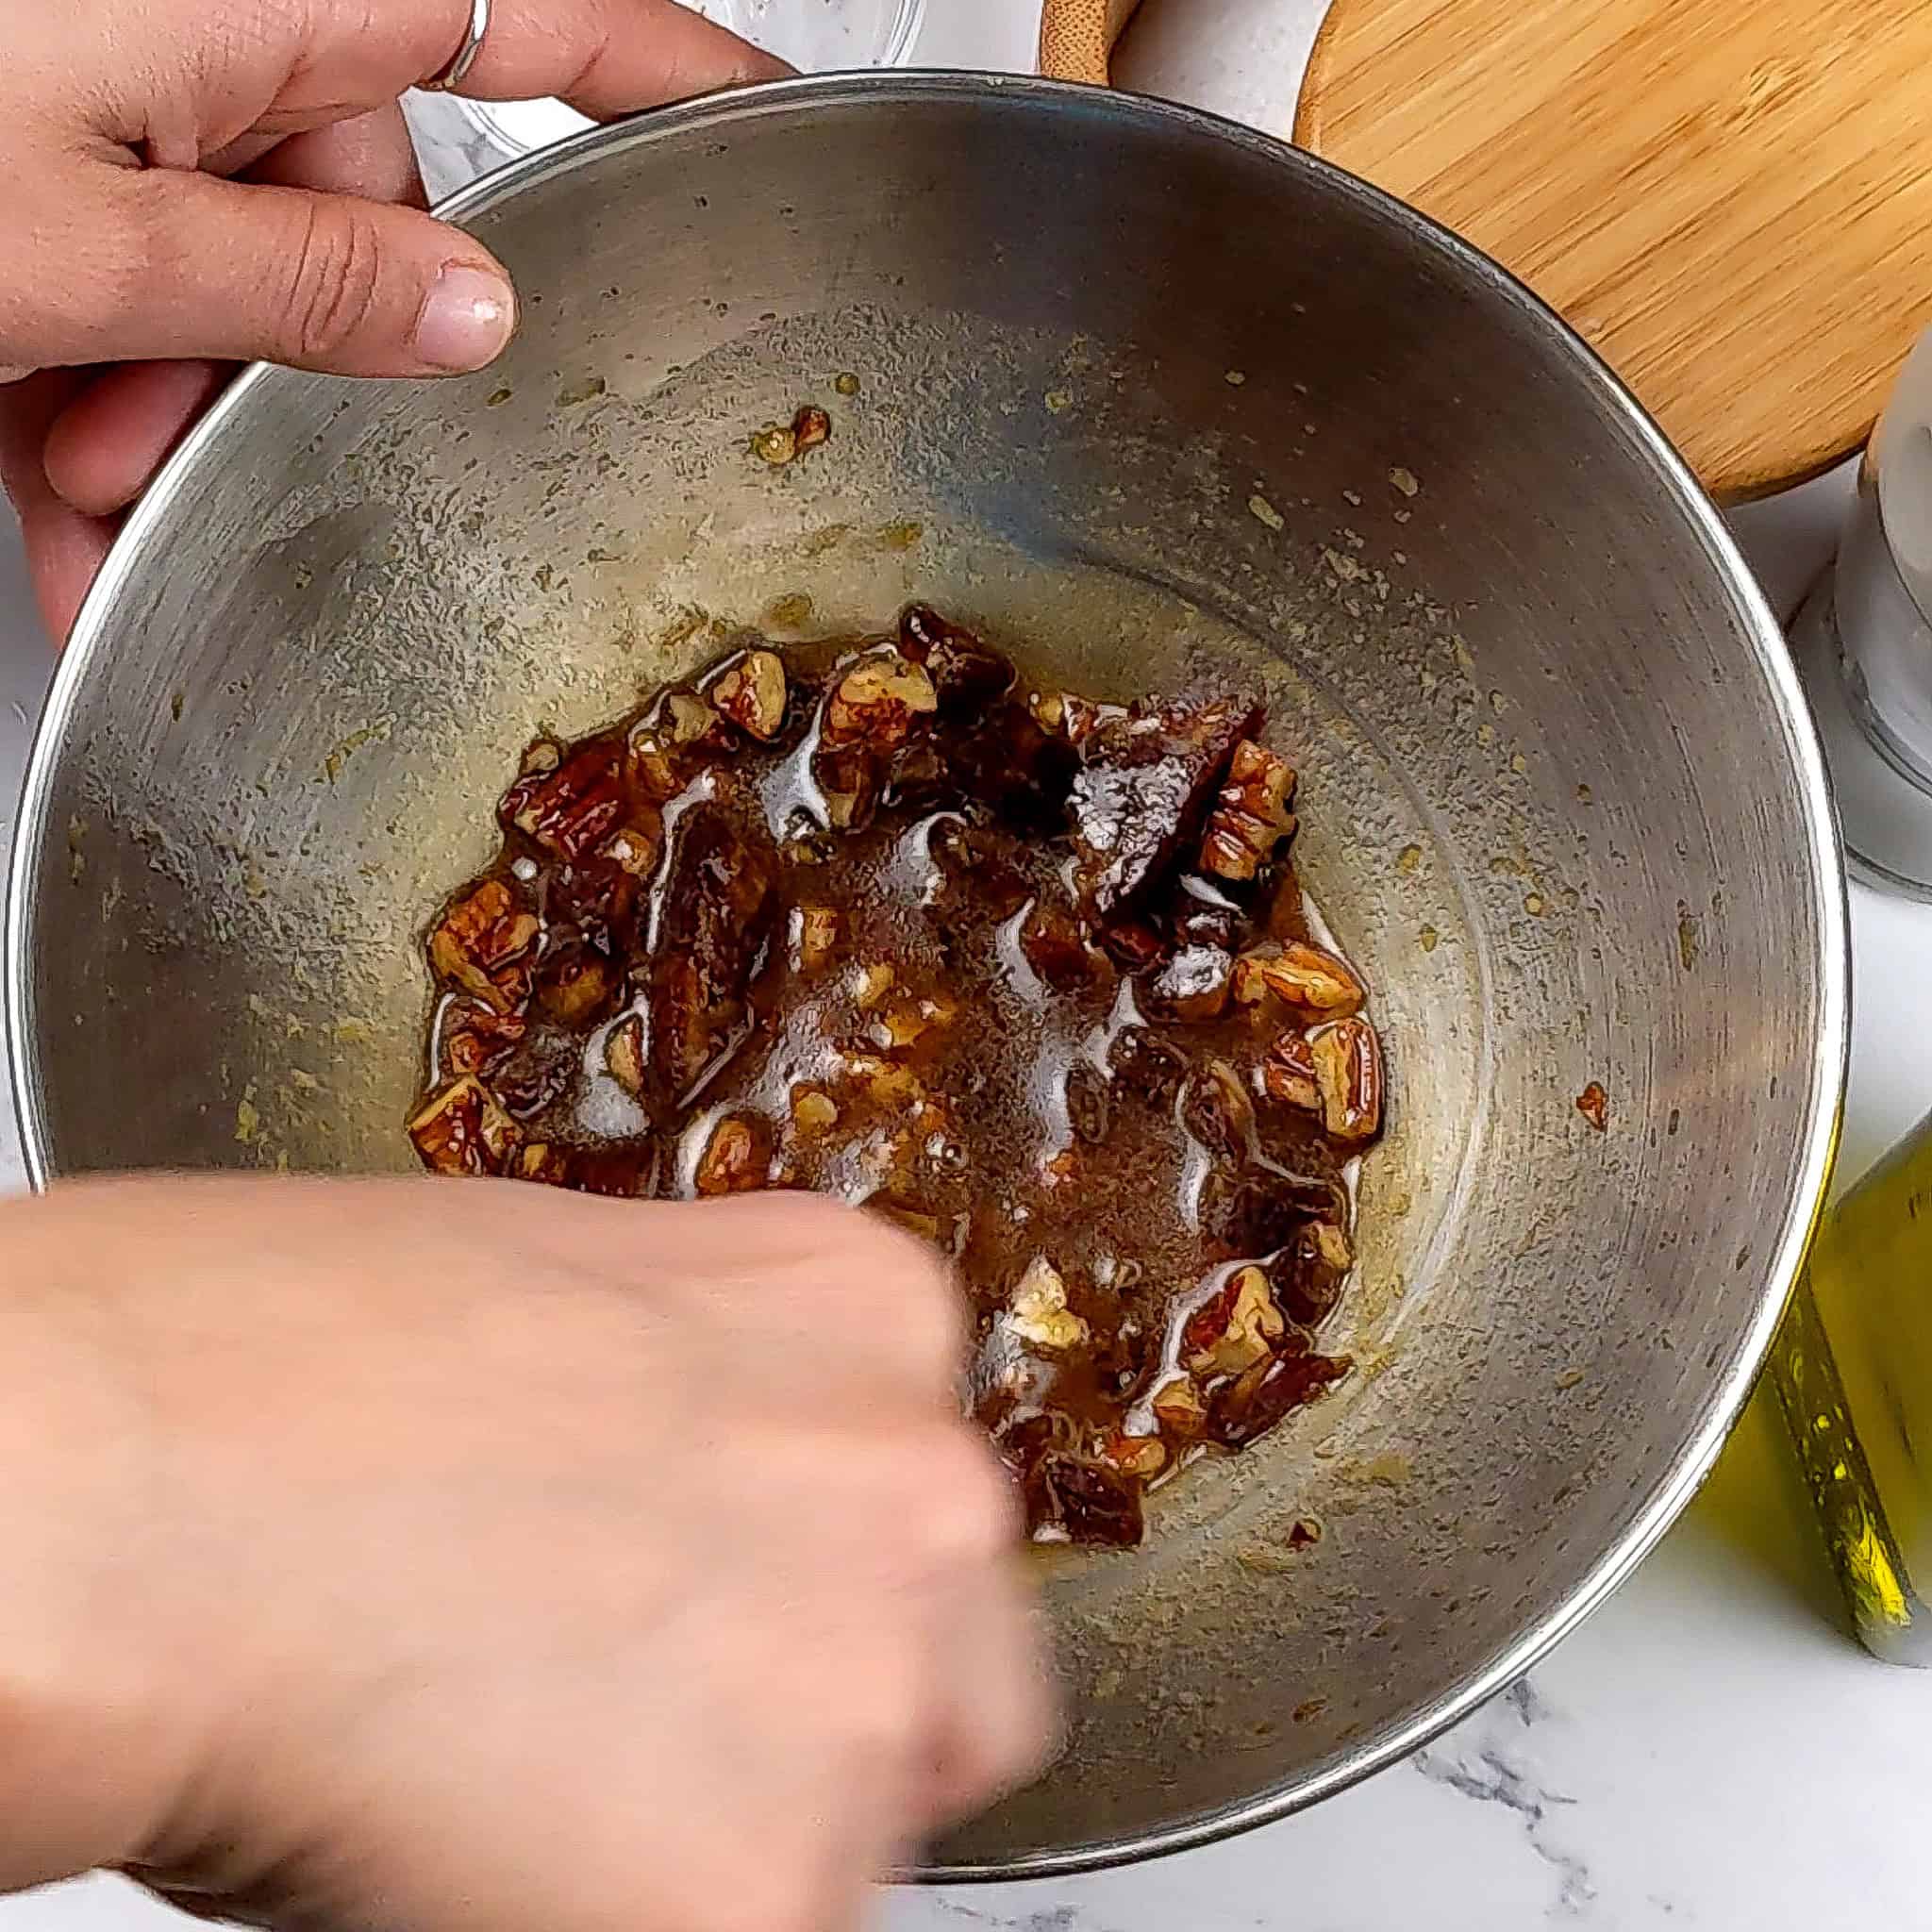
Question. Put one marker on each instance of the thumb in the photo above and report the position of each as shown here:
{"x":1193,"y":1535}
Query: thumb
{"x":236,"y":271}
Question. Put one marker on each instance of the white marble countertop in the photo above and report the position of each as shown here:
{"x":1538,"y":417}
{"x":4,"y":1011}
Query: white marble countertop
{"x":1710,"y":1749}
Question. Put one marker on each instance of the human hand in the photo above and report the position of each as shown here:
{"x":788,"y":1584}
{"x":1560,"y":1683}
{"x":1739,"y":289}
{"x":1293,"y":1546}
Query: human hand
{"x":464,"y":1555}
{"x":197,"y":183}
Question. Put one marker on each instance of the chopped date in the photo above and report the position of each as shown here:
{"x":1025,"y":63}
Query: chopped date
{"x":598,"y":898}
{"x":1144,"y":787}
{"x":1004,"y":761}
{"x":1258,"y":1211}
{"x":718,"y":909}
{"x":1083,"y":1501}
{"x":1026,"y":973}
{"x":1219,"y":1114}
{"x":1133,"y":944}
{"x":535,"y":1078}
{"x":1056,"y":948}
{"x":966,"y":675}
{"x":1269,"y":1393}
{"x":576,"y":983}
{"x":624,"y":1174}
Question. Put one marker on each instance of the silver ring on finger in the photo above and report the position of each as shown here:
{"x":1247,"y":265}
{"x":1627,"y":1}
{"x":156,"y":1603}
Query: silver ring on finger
{"x":457,"y":72}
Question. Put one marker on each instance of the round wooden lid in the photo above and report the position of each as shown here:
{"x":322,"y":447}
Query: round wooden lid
{"x":1731,"y":199}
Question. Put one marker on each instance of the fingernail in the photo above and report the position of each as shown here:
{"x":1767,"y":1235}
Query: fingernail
{"x":468,"y":320}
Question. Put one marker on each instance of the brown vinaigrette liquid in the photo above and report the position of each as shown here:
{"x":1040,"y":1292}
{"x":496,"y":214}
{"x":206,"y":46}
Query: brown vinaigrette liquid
{"x":1031,"y":975}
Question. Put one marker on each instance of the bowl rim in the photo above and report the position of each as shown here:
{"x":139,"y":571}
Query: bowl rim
{"x":1678,"y":1481}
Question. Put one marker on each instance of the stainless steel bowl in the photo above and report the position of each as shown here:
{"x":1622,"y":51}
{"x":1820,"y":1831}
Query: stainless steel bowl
{"x":1135,"y":386}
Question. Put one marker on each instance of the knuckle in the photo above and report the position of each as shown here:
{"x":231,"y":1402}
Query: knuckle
{"x":334,"y":280}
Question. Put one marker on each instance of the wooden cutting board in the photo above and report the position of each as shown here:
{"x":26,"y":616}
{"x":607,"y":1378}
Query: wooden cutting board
{"x":1731,"y":199}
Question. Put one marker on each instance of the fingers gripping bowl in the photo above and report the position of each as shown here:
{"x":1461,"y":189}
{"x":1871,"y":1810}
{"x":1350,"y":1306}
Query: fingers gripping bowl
{"x":1204,"y":404}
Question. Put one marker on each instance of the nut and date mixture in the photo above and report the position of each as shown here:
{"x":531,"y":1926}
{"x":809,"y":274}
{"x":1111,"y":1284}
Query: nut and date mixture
{"x":1031,"y":975}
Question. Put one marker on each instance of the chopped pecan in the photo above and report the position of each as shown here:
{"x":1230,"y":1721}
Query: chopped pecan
{"x":1289,"y":1073}
{"x":886,"y":1083}
{"x":814,"y":933}
{"x":1075,"y":719}
{"x":1307,"y":978}
{"x":814,"y":1110}
{"x":868,"y":715}
{"x":1593,"y":1103}
{"x":1192,"y":987}
{"x":483,"y":943}
{"x":1141,"y":1456}
{"x":662,"y":753}
{"x":633,"y":848}
{"x":751,"y":692}
{"x":737,"y":1157}
{"x":779,"y":443}
{"x":1239,"y":1327}
{"x":572,"y":809}
{"x":1251,"y":817}
{"x":464,"y":1131}
{"x":475,"y":1037}
{"x":1348,"y":1071}
{"x":623,"y":1054}
{"x":1142,"y":791}
{"x":871,"y":984}
{"x":906,"y":1022}
{"x":876,"y":702}
{"x":1038,"y":1312}
{"x":1179,"y":1406}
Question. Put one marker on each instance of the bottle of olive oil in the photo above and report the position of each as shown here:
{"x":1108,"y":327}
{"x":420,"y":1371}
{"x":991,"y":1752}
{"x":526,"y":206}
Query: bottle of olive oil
{"x":1853,"y":1370}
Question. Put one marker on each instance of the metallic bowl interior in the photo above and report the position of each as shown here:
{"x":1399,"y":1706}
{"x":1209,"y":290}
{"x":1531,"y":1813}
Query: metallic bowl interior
{"x":1137,"y":389}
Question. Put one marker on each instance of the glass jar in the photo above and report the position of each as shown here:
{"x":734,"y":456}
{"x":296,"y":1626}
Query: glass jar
{"x":815,"y":36}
